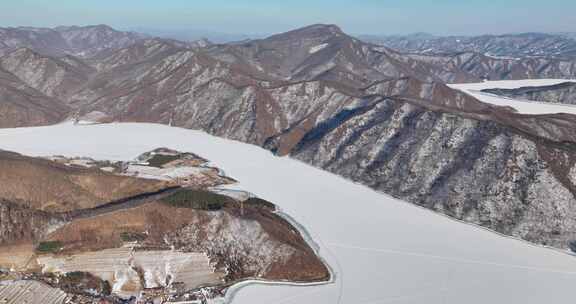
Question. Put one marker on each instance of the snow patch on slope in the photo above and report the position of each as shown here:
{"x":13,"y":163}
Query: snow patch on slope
{"x":573,"y":175}
{"x":317,"y":48}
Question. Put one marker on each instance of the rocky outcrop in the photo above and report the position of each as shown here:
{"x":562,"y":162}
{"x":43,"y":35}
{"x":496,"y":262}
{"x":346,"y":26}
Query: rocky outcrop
{"x":251,"y":243}
{"x":22,"y":224}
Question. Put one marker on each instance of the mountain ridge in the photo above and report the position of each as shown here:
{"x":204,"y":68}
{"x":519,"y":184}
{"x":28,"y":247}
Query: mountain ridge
{"x":363,"y":111}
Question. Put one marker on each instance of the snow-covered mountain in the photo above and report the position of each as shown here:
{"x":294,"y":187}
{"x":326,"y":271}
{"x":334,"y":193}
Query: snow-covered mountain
{"x":364,"y":111}
{"x":76,"y":40}
{"x":509,"y":45}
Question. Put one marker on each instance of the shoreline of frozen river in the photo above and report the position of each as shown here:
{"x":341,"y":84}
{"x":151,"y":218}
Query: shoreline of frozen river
{"x":520,"y":105}
{"x":383,"y":250}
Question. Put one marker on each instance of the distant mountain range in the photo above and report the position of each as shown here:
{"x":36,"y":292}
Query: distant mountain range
{"x":195,"y":34}
{"x":560,"y":45}
{"x":376,"y":115}
{"x":73,"y":40}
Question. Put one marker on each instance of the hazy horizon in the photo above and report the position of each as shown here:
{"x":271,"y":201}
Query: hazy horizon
{"x":259,"y":17}
{"x":220,"y":36}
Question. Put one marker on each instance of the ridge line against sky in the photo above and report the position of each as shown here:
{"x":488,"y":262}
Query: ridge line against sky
{"x":261,"y":17}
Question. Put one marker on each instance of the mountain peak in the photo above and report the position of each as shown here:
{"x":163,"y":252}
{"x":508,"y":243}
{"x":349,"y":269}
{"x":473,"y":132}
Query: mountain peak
{"x":321,"y":29}
{"x":203,"y":42}
{"x":332,"y":28}
{"x":101,"y":27}
{"x":312,"y":31}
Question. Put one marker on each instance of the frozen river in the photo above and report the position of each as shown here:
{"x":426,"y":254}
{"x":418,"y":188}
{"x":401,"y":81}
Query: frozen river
{"x":383,"y":250}
{"x":522,"y":106}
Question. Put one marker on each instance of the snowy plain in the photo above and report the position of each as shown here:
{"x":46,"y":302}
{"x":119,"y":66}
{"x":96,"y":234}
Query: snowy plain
{"x":382,"y":250}
{"x":521,"y":106}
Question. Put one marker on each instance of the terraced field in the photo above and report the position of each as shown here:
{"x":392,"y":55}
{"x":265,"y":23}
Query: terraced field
{"x":30,"y":292}
{"x":125,"y":267}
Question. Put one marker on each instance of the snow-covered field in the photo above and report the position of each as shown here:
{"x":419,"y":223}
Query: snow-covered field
{"x":522,"y":106}
{"x":382,"y":250}
{"x":166,"y":173}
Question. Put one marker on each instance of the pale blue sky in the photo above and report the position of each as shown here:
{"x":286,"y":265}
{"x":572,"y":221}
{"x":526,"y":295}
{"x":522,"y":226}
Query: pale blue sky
{"x":260,"y":16}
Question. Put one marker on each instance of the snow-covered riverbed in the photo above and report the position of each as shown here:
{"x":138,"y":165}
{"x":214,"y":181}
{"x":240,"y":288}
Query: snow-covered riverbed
{"x":382,"y":250}
{"x":522,"y":106}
